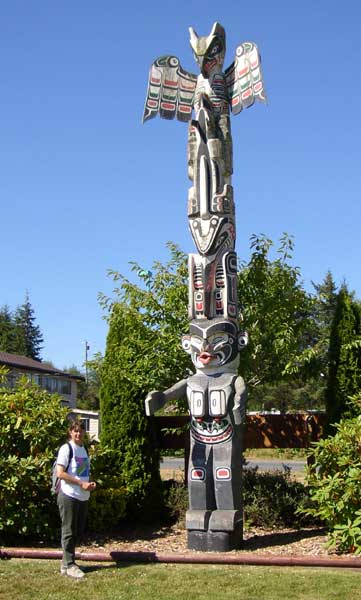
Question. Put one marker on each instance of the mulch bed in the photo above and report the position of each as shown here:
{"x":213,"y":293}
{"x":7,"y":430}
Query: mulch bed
{"x":173,"y":539}
{"x":305,"y":542}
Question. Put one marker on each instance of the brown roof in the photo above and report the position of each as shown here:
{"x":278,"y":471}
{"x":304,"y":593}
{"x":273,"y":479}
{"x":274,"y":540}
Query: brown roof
{"x":24,"y":362}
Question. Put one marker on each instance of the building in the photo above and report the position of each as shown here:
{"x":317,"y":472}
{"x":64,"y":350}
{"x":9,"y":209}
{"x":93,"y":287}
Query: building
{"x":47,"y":377}
{"x":54,"y":381}
{"x":90,"y":419}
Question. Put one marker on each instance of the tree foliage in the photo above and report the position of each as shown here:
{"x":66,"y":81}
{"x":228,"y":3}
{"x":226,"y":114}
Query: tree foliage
{"x":19,"y":333}
{"x":334,"y":480}
{"x":88,"y":389}
{"x":277,"y":312}
{"x":7,"y":330}
{"x":344,"y":377}
{"x":32,"y":426}
{"x":28,"y":334}
{"x":325,"y":307}
{"x":279,"y":315}
{"x":157,"y":315}
{"x":142,"y":353}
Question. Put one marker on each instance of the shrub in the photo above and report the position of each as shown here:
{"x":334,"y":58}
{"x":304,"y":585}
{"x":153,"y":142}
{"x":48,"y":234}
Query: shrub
{"x":108,"y":503}
{"x":32,"y":424}
{"x":273,"y":499}
{"x":270,"y":499}
{"x":107,"y":508}
{"x":334,"y":481}
{"x":176,"y":500}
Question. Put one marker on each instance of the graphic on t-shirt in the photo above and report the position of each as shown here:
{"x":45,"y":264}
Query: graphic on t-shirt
{"x":82,"y":466}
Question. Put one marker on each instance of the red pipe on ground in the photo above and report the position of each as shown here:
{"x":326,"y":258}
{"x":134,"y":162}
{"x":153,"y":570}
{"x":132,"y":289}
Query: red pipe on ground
{"x":223,"y":559}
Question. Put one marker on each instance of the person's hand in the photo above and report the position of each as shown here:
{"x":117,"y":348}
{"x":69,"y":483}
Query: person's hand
{"x":88,"y":486}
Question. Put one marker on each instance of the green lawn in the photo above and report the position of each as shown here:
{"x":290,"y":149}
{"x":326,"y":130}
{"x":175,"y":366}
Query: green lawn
{"x":23,"y":579}
{"x":276,"y":453}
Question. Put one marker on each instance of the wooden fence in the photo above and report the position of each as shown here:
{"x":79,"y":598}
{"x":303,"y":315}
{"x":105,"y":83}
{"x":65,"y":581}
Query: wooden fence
{"x":297,"y":430}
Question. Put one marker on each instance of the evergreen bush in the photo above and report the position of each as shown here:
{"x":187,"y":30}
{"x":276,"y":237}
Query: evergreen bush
{"x":344,"y":373}
{"x":108,"y":503}
{"x":107,"y":507}
{"x":125,"y":428}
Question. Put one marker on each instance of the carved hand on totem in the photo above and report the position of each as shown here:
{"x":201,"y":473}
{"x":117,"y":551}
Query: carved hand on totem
{"x":240,"y":400}
{"x":153,"y":402}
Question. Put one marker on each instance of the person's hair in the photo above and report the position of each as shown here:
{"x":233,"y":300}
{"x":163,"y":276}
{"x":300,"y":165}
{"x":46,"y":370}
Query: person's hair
{"x":75,"y":425}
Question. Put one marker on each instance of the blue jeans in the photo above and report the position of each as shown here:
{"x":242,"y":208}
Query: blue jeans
{"x":73,"y":514}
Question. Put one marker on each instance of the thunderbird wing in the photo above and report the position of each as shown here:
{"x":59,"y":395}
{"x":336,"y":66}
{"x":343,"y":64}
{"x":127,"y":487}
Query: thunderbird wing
{"x":244,"y":78}
{"x":170,"y":90}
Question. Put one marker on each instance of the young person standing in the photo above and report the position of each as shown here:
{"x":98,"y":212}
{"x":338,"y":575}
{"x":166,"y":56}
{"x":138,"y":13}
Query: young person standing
{"x":73,"y":496}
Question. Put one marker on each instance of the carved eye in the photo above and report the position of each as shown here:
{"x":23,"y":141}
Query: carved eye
{"x":219,"y":339}
{"x":186,"y":343}
{"x":214,"y":50}
{"x":196,"y":342}
{"x":173,"y":61}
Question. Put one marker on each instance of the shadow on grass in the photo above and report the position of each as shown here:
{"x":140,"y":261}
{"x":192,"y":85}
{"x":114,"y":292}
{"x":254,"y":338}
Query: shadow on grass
{"x":104,"y":567}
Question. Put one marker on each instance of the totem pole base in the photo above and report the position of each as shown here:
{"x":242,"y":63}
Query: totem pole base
{"x":215,"y":541}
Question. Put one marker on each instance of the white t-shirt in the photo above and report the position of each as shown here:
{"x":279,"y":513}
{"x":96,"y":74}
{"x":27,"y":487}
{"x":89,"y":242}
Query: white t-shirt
{"x":79,"y":468}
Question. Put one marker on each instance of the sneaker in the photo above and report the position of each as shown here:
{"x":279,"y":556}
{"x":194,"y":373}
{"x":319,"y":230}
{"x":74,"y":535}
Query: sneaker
{"x":75,"y":572}
{"x":63,"y":569}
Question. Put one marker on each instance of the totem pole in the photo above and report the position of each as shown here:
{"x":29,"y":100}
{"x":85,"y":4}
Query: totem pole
{"x":216,"y":393}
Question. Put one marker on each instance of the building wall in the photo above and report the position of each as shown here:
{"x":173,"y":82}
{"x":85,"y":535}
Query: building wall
{"x":90,"y":419}
{"x":66,"y":388}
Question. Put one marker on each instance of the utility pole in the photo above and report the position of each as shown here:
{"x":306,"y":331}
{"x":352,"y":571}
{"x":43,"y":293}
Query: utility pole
{"x":87,"y":347}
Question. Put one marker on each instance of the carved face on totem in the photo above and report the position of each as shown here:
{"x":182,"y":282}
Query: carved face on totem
{"x":209,"y":50}
{"x":213,"y":344}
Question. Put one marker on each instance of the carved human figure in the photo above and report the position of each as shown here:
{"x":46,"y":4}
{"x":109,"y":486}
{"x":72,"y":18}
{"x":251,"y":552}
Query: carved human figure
{"x":217,"y":403}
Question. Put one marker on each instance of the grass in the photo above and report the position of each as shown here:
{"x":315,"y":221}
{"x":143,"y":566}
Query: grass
{"x":260,"y":453}
{"x":27,"y":579}
{"x":276,"y":453}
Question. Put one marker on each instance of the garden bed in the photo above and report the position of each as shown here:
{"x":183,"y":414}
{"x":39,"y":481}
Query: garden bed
{"x":308,"y":541}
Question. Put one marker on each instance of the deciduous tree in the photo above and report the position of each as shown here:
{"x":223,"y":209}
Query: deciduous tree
{"x":277,"y":312}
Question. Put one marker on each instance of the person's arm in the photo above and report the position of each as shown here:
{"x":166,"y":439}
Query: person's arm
{"x":62,"y":473}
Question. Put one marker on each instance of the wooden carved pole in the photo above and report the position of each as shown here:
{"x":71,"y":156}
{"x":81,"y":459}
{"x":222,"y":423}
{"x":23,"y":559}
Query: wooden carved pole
{"x":216,"y":393}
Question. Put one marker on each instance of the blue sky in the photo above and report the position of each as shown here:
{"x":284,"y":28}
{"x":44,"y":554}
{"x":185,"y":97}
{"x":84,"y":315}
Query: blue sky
{"x":85,"y":187}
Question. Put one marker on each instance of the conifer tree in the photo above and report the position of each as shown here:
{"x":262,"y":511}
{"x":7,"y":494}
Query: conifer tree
{"x":325,"y":304}
{"x":7,"y":331}
{"x":323,"y":314}
{"x":125,"y":428}
{"x":344,"y":375}
{"x":29,"y":338}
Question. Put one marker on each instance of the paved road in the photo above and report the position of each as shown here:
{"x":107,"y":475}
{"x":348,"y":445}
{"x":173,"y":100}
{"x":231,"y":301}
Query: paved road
{"x":172,"y":463}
